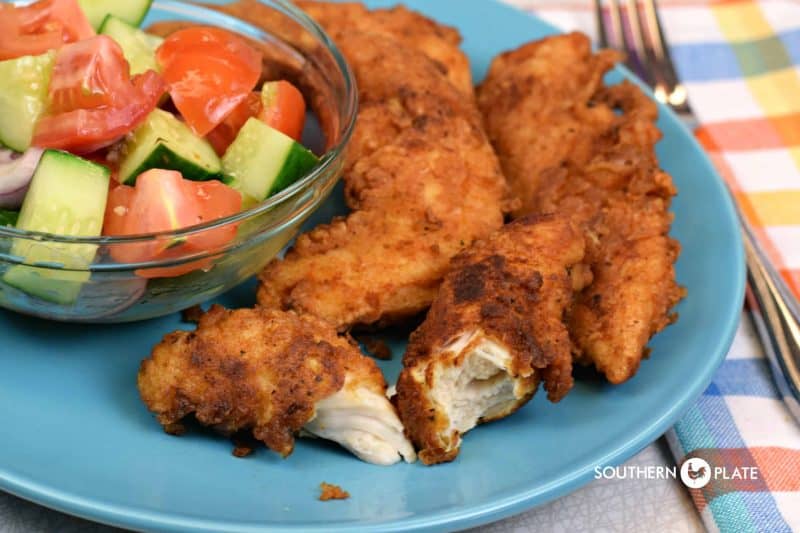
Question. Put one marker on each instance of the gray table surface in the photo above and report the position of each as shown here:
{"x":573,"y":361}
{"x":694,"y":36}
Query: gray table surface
{"x":602,"y":505}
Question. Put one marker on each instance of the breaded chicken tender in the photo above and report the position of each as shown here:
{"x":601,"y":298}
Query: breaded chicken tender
{"x":495,"y":331}
{"x":277,"y":374}
{"x":536,"y":108}
{"x":423,"y":183}
{"x":572,"y":146}
{"x":411,"y":29}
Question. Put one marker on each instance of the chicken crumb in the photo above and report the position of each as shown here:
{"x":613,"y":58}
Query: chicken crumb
{"x":192,"y":315}
{"x":242,"y":451}
{"x":176,"y":428}
{"x":377,"y":348}
{"x":332,"y":492}
{"x":243,"y":444}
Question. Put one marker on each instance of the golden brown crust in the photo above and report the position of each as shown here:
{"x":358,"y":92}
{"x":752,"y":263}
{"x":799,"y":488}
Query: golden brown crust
{"x":409,"y":28}
{"x":570,"y":145}
{"x":377,"y":348}
{"x":514,"y":287}
{"x":534,"y":105}
{"x":423,"y":181}
{"x":251,"y":369}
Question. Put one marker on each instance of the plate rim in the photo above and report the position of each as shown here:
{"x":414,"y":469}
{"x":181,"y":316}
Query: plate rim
{"x":459,"y":518}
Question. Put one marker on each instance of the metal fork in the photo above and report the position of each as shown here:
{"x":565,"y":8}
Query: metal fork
{"x":637,"y":31}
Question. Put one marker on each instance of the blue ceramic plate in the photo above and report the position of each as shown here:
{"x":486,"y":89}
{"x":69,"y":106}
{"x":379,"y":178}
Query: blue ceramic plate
{"x":74,"y":435}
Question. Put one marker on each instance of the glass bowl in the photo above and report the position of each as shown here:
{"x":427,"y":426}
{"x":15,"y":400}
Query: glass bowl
{"x":87,"y":283}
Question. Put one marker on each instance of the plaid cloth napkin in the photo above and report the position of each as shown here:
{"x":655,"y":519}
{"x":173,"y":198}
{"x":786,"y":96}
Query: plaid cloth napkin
{"x":739,"y":60}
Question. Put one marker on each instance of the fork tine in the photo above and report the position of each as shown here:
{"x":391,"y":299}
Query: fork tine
{"x":654,"y":28}
{"x":671,"y":91}
{"x":636,"y":36}
{"x":616,"y":24}
{"x":648,"y":67}
{"x":611,"y":34}
{"x":602,"y":35}
{"x":640,"y":35}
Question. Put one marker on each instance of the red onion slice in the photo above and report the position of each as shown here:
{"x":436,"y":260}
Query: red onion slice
{"x":16,"y":171}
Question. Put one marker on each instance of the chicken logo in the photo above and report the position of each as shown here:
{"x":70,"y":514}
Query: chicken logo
{"x":695,"y":473}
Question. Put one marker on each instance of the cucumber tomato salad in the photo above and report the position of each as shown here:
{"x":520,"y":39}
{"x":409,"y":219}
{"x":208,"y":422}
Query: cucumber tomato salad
{"x":107,"y":130}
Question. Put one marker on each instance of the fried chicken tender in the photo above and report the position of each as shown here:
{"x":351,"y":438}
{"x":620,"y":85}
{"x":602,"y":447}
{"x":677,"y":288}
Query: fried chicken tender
{"x":570,"y":145}
{"x":423,"y":183}
{"x":276,"y":374}
{"x":495,"y":331}
{"x":411,"y":29}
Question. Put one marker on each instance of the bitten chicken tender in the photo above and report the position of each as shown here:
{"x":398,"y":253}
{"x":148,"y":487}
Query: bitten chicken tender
{"x":276,"y":374}
{"x":572,"y":146}
{"x":423,"y":183}
{"x":494,"y":332}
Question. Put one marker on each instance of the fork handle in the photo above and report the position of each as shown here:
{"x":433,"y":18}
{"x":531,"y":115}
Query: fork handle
{"x":777,"y":325}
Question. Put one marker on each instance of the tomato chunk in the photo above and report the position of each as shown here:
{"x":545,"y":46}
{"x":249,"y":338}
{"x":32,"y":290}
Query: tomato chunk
{"x":87,"y":130}
{"x":13,"y":46}
{"x":283,"y":108}
{"x":223,"y":135}
{"x":209,"y":40}
{"x":279,"y":105}
{"x":163,"y":201}
{"x":209,"y":72}
{"x":89,"y":74}
{"x":216,"y":201}
{"x":117,"y":207}
{"x":26,"y":19}
{"x":41,"y":26}
{"x":159,"y":202}
{"x":71,"y":16}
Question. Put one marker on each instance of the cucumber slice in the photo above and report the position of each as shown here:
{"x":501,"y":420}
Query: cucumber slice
{"x":131,"y":11}
{"x":263,"y":161}
{"x":23,"y":97}
{"x":153,"y":41}
{"x":163,"y":141}
{"x":138,"y":47}
{"x":67,"y":196}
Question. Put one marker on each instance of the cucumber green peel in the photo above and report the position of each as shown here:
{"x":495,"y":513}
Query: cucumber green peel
{"x":8,"y":218}
{"x":264,"y":161}
{"x":131,"y":11}
{"x":165,"y":142}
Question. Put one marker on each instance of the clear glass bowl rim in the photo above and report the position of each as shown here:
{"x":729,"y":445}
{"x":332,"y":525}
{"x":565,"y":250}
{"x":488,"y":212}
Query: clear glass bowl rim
{"x":328,"y":159}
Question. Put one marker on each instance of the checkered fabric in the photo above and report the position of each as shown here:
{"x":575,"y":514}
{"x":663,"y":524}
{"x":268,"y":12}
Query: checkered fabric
{"x":739,"y":61}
